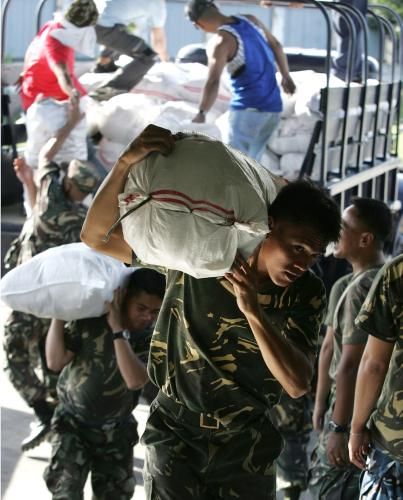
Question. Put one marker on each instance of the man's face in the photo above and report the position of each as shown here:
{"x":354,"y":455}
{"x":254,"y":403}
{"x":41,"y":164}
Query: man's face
{"x":288,"y":251}
{"x":142,"y":311}
{"x":350,"y":236}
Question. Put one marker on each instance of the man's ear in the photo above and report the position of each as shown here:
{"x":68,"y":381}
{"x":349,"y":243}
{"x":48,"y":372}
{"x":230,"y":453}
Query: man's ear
{"x":366,"y":239}
{"x":270,"y":222}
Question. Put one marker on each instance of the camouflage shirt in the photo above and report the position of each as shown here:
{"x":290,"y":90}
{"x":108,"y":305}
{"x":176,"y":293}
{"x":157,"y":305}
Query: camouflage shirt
{"x":55,"y":220}
{"x":204,"y":354}
{"x":91,"y":386}
{"x":342,"y":316}
{"x":382,"y":317}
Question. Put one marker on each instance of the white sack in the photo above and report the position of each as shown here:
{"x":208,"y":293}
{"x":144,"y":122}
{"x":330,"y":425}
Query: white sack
{"x":293,"y":144}
{"x":200,"y":204}
{"x":67,"y":282}
{"x":290,"y":165}
{"x":124,"y":117}
{"x":43,"y":120}
{"x":169,"y":81}
{"x":108,"y":152}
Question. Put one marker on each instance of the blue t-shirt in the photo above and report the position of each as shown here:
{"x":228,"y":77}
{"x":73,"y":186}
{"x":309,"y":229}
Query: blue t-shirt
{"x":252,"y":70}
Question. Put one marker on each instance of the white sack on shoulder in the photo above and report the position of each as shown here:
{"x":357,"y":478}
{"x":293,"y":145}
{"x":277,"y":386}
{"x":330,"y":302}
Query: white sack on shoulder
{"x":199,"y":205}
{"x":68,"y":282}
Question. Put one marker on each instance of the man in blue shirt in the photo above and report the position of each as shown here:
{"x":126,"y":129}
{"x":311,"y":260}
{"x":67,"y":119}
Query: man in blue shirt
{"x":250,"y":53}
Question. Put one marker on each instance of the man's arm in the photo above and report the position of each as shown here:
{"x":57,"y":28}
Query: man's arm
{"x":281,"y":59}
{"x":292,"y":367}
{"x":218,"y":55}
{"x":57,"y":355}
{"x":25,"y":175}
{"x":371,"y":376}
{"x":64,"y":79}
{"x":324,"y":382}
{"x":132,"y":369}
{"x":337,"y":451}
{"x":53,"y":145}
{"x":159,"y":43}
{"x":104,"y":210}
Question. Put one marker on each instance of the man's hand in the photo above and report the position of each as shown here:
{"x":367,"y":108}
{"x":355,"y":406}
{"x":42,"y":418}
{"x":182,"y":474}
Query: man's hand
{"x":288,"y":85}
{"x":23,"y":171}
{"x":74,"y":115}
{"x":336,"y":449}
{"x":199,"y":118}
{"x":152,"y":138}
{"x":318,"y":416}
{"x":359,"y":447}
{"x":243,"y":279}
{"x":114,"y":308}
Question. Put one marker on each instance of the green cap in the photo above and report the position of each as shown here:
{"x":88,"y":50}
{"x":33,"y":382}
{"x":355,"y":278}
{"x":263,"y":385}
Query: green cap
{"x":83,"y":176}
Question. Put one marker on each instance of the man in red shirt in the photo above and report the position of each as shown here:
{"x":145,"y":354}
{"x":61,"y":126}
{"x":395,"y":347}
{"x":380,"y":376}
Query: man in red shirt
{"x":48,"y":80}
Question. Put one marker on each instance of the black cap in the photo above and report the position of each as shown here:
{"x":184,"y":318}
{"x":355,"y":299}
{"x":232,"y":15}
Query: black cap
{"x":195,"y":8}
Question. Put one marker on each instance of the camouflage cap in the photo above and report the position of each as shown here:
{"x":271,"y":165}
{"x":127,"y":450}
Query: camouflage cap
{"x":83,"y":176}
{"x":82,"y":13}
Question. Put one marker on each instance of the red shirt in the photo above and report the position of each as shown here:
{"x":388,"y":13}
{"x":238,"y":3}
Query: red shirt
{"x":38,"y":77}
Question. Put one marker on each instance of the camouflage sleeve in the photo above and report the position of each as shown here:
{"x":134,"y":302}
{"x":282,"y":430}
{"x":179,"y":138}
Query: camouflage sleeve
{"x":72,"y":336}
{"x":50,"y":191}
{"x":305,"y":319}
{"x":335,"y":294}
{"x":352,"y":304}
{"x":382,"y":311}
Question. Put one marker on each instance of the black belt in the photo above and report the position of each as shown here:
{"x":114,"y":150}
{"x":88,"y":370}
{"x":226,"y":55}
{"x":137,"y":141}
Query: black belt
{"x":202,"y":420}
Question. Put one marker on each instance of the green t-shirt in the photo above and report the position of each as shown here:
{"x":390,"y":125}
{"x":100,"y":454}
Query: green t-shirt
{"x":91,"y":386}
{"x":204,"y":354}
{"x":55,"y":220}
{"x":382,"y":317}
{"x":342,"y":316}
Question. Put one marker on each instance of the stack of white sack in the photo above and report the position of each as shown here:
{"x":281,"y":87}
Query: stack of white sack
{"x":289,"y":143}
{"x":195,"y":208}
{"x":67,"y":282}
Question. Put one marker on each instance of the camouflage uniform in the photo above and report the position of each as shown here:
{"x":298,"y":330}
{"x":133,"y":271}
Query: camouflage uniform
{"x":382,"y":317}
{"x":292,"y":418}
{"x":55,"y":221}
{"x":209,"y":433}
{"x":94,"y":429}
{"x":325,"y":480}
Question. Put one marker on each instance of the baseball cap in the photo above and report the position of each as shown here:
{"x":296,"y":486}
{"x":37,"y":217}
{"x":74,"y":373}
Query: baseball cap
{"x":83,"y":176}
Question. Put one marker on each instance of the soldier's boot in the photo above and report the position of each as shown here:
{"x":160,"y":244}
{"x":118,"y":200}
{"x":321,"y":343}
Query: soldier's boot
{"x":40,"y":428}
{"x":292,"y":493}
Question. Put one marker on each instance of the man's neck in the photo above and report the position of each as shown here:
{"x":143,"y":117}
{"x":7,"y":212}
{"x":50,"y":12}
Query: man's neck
{"x":367,"y":260}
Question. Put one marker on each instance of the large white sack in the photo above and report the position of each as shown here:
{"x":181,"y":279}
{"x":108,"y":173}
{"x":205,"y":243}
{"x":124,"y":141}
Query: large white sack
{"x":290,"y":165}
{"x":294,"y":144}
{"x":192,"y":210}
{"x":108,"y":152}
{"x":177,"y":117}
{"x":124,"y":116}
{"x":169,"y":81}
{"x":43,"y":119}
{"x":67,"y":282}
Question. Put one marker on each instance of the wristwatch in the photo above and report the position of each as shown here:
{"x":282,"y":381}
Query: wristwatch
{"x":124,"y":334}
{"x":333,"y":427}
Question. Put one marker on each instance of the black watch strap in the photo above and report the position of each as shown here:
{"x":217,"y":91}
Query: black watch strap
{"x":124,"y":334}
{"x":333,"y":427}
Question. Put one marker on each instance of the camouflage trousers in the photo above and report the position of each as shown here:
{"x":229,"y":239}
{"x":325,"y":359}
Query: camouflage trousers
{"x":185,"y":461}
{"x":78,"y":449}
{"x":327,"y":482}
{"x":292,"y":418}
{"x":383,"y":478}
{"x":24,"y":346}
